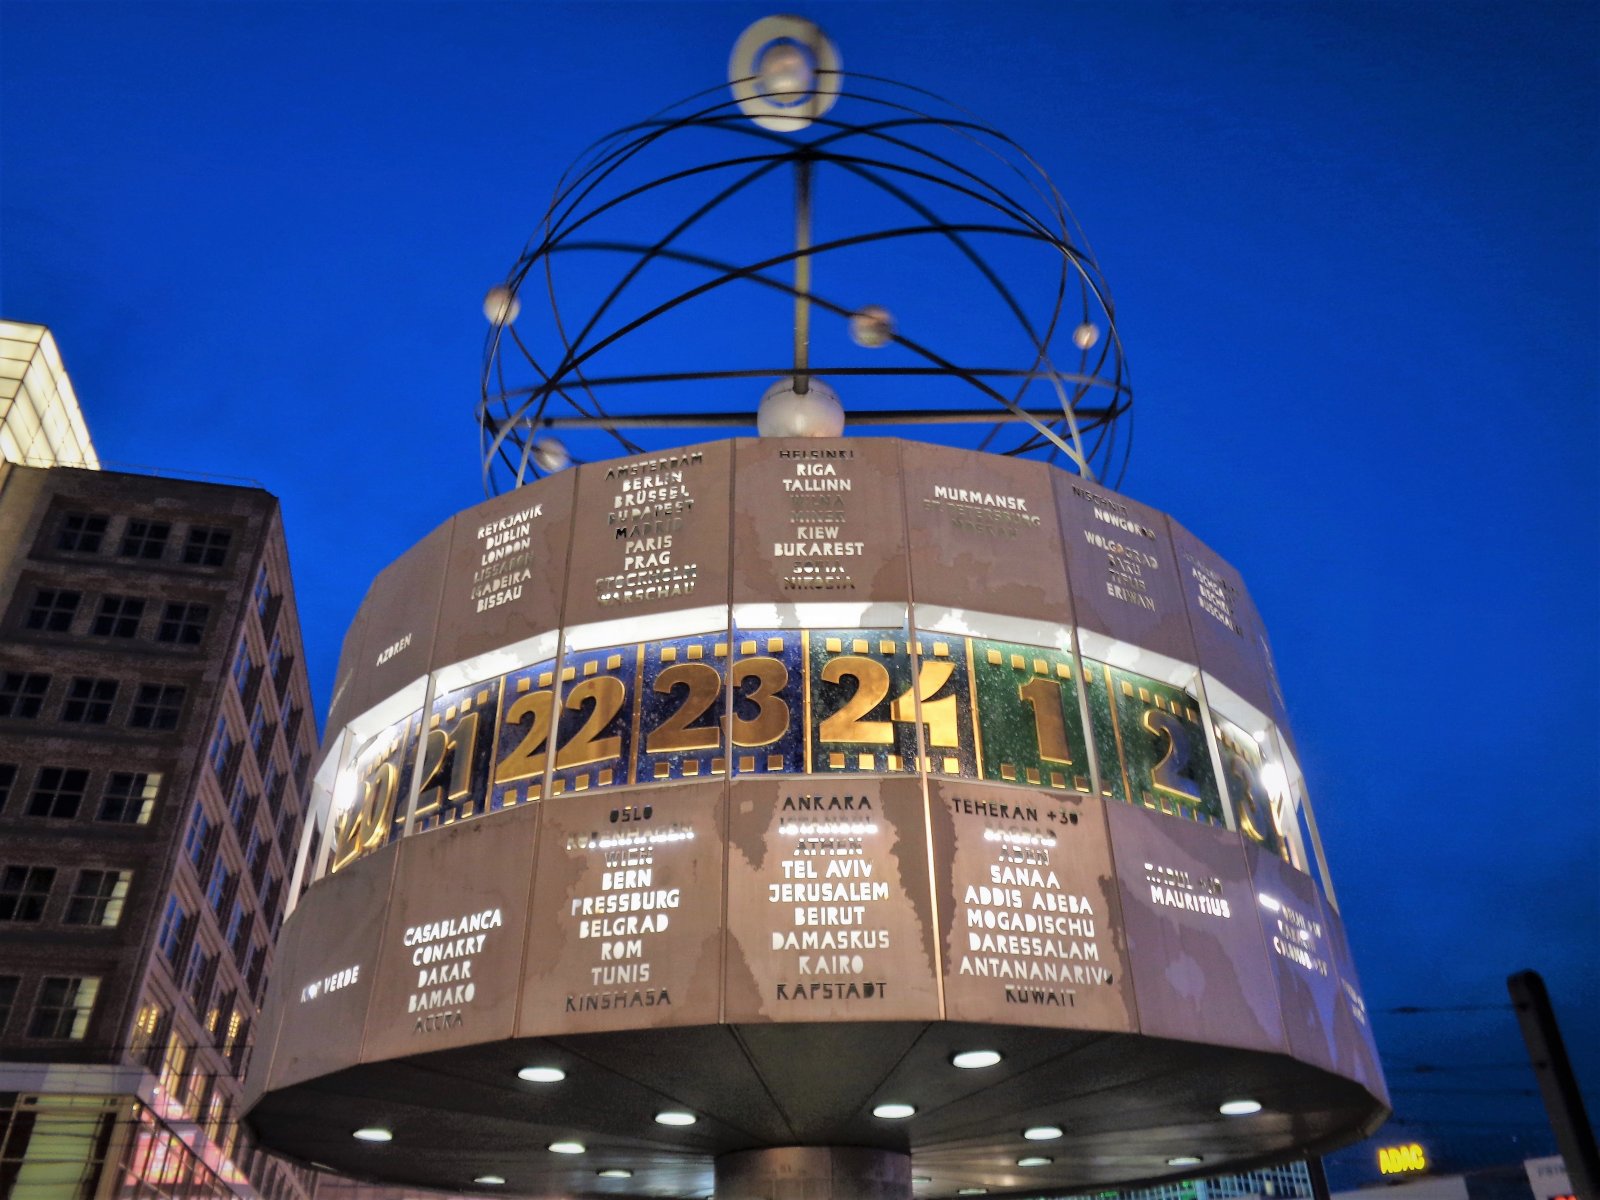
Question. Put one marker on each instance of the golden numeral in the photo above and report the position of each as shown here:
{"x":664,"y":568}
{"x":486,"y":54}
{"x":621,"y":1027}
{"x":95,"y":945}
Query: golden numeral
{"x":1167,"y":776}
{"x":701,"y":684}
{"x":771,"y":721}
{"x":528,"y":759}
{"x":364,"y":826}
{"x":872,"y":686}
{"x":1254,"y":806}
{"x":938,"y":715}
{"x":587,"y":746}
{"x":457,"y":748}
{"x":1049,"y":724}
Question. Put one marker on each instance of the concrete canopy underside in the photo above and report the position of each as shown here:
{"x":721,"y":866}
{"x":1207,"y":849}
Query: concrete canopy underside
{"x":1126,"y":1104}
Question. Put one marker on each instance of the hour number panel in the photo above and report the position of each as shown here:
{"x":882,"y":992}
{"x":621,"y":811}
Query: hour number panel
{"x":378,"y":815}
{"x":866,"y":687}
{"x":769,"y":702}
{"x":681,"y":704}
{"x":1151,"y":744}
{"x":1029,"y":723}
{"x":595,"y":729}
{"x":457,"y":754}
{"x":522,"y":743}
{"x":1254,"y":806}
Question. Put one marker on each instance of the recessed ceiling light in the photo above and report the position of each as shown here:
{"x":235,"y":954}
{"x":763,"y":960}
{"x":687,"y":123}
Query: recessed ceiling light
{"x":1034,"y":1160}
{"x":373,"y":1133}
{"x":972,"y":1191}
{"x":675,"y":1118}
{"x":1185,"y":1160}
{"x":566,"y":1147}
{"x":1239,"y":1108}
{"x":542,"y":1074}
{"x":1042,"y":1133}
{"x":490,"y":1179}
{"x":922,"y":1179}
{"x":973,"y":1059}
{"x":615,"y":1173}
{"x":894,"y":1112}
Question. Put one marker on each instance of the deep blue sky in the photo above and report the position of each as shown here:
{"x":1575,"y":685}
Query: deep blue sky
{"x":1354,"y":252}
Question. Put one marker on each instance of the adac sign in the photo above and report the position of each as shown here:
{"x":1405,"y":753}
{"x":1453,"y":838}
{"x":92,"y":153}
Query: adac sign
{"x":1402,"y":1160}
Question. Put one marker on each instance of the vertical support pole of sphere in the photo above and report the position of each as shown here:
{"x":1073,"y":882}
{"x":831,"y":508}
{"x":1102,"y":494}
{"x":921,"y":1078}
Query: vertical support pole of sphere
{"x":802,"y":274}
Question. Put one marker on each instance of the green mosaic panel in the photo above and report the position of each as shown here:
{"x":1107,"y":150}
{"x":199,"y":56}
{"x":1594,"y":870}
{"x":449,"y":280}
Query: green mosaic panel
{"x":1152,"y":745}
{"x":1029,"y":727}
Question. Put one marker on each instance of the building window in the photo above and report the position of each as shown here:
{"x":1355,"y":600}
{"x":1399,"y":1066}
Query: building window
{"x":243,"y":946}
{"x":129,"y":797}
{"x":272,"y":788}
{"x":237,"y":931}
{"x":241,"y":808}
{"x":65,"y":1003}
{"x":174,"y":927}
{"x":266,"y":887}
{"x":144,"y":539}
{"x":216,"y":1117}
{"x":9,"y":984}
{"x":118,"y":617}
{"x":223,"y":1004}
{"x":257,"y":968}
{"x":197,"y":838}
{"x":82,"y":532}
{"x":219,"y":890}
{"x":238,"y":1043}
{"x":183,"y":623}
{"x":24,"y":891}
{"x":243,"y":665}
{"x":198,"y":977}
{"x":263,"y":594}
{"x":207,"y":546}
{"x":52,"y":609}
{"x":288,"y":822}
{"x":156,"y":706}
{"x":256,"y":857}
{"x":89,"y":701}
{"x":98,"y":897}
{"x":221,"y":748}
{"x":57,"y":792}
{"x":8,"y":777}
{"x":258,"y":729}
{"x":146,"y":1029}
{"x":22,"y":693}
{"x":269,"y":904}
{"x":174,"y":1064}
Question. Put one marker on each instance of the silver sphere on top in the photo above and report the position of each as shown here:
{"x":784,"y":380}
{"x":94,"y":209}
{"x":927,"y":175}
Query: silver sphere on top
{"x":815,"y":412}
{"x":784,"y":73}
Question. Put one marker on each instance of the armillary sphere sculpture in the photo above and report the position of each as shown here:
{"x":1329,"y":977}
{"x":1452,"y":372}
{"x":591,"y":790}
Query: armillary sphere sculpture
{"x":705,"y":215}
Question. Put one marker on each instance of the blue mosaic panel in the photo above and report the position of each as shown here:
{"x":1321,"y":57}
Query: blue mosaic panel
{"x":863,"y":715}
{"x":595,"y":725}
{"x":769,"y":702}
{"x":522,"y":742}
{"x":457,"y":750}
{"x":681,"y":703}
